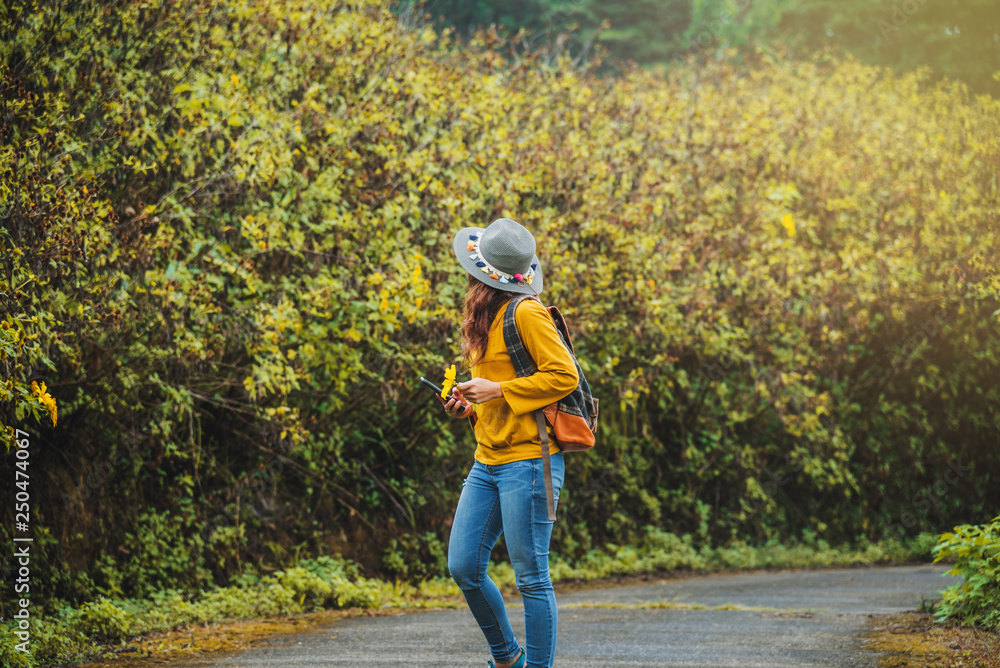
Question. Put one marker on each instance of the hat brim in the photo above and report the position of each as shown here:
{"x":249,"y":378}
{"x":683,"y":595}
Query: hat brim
{"x":460,"y":246}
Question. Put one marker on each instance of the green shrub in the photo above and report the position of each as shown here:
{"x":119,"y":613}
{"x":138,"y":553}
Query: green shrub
{"x":165,"y":549}
{"x":103,"y":621}
{"x":312,"y":592}
{"x":416,"y":557}
{"x":10,"y":656}
{"x":976,"y":553}
{"x":312,"y":584}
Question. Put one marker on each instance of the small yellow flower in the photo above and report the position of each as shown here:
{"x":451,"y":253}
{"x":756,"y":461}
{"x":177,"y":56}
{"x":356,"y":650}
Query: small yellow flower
{"x":788,"y":222}
{"x":449,"y":382}
{"x":45,"y":399}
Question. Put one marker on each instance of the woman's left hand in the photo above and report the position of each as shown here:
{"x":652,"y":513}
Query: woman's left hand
{"x":480,"y":390}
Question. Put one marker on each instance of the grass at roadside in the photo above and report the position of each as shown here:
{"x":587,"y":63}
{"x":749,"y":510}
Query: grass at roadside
{"x":915,"y":640}
{"x":109,"y":628}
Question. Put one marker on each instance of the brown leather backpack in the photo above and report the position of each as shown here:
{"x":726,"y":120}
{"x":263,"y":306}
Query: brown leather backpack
{"x":574,"y":417}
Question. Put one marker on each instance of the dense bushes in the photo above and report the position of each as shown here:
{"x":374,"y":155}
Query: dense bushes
{"x":75,"y":634}
{"x":226,"y":246}
{"x":975,"y":551}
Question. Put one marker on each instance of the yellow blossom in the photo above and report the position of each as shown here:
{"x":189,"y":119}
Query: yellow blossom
{"x":45,"y":399}
{"x":449,"y":382}
{"x":789,"y":224}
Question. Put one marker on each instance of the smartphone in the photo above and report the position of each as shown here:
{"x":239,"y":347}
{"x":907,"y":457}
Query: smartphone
{"x":437,"y":390}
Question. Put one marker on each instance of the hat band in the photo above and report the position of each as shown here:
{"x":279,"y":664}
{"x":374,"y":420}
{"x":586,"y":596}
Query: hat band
{"x":494,"y":273}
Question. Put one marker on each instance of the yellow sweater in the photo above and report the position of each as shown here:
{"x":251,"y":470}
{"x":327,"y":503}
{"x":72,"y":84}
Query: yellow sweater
{"x":506,"y":430}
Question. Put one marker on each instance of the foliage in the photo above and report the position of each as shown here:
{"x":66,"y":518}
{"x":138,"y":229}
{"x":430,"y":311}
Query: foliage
{"x":957,"y":39}
{"x":412,"y":557}
{"x":11,"y":656}
{"x":72,"y":634}
{"x":103,"y":621}
{"x":229,"y":229}
{"x":975,"y":551}
{"x":660,"y":551}
{"x":164,"y":551}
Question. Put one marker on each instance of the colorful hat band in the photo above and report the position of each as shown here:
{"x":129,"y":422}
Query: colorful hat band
{"x":493,"y":272}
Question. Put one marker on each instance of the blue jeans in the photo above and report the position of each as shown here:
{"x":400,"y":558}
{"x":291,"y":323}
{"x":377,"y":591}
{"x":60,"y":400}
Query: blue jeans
{"x":508,"y":499}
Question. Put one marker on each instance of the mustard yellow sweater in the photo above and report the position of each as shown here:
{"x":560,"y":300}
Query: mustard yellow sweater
{"x":506,"y":430}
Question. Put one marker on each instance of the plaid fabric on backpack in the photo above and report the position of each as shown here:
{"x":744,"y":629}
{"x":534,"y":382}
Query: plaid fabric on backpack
{"x":574,"y":417}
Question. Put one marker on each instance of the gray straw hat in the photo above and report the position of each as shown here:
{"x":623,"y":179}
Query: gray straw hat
{"x":501,"y":255}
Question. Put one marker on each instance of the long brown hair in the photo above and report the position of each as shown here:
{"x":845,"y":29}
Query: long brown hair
{"x":482,"y":303}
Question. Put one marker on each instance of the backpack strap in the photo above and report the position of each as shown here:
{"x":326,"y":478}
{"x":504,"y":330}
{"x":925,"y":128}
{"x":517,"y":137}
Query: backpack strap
{"x":550,"y":495}
{"x":524,"y":365}
{"x":519,"y":356}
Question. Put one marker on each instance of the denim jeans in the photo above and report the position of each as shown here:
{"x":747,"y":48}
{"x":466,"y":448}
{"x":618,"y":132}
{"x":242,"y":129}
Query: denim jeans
{"x":508,"y":499}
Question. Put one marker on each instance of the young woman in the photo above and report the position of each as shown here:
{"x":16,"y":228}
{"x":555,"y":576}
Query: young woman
{"x":505,"y":491}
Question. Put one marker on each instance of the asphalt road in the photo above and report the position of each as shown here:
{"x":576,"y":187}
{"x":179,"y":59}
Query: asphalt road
{"x":811,"y":618}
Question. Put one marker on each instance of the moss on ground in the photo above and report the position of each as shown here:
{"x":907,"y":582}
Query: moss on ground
{"x":915,"y":640}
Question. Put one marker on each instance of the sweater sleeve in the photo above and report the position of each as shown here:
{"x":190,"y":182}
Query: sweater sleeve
{"x":555,"y":376}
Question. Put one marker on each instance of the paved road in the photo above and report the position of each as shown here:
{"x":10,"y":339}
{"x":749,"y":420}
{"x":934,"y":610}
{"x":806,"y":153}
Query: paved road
{"x":784,"y":635}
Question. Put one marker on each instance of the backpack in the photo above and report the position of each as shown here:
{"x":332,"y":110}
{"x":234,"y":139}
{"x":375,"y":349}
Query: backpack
{"x":574,"y":417}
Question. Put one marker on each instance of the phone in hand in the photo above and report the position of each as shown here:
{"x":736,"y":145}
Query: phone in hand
{"x":437,"y":391}
{"x":435,"y":388}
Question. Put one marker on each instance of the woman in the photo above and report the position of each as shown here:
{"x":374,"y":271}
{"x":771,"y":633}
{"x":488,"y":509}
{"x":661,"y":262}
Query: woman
{"x":505,"y":492}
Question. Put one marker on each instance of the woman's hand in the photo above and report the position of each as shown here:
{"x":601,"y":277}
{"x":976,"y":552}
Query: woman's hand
{"x":480,"y":390}
{"x":456,"y":406}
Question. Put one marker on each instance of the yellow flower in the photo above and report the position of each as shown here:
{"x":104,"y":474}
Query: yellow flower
{"x":789,"y":224}
{"x":45,"y":399}
{"x":449,"y":382}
